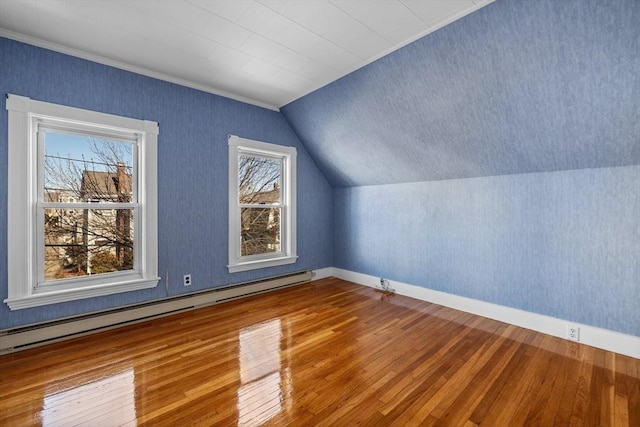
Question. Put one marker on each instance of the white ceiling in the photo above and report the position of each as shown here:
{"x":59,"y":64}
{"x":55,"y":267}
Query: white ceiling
{"x":265,"y":52}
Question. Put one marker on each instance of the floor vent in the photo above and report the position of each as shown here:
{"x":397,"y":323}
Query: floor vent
{"x":30,"y":336}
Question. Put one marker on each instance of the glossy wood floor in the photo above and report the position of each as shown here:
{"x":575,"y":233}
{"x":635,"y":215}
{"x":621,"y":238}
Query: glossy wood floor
{"x":326,"y":353}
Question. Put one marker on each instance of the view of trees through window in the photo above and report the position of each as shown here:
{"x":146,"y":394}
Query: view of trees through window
{"x":260,"y":202}
{"x":85,"y":231}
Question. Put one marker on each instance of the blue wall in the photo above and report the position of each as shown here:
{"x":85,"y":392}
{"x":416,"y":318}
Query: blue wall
{"x":526,"y":88}
{"x":564,"y":244}
{"x":192,"y":170}
{"x":535,"y":103}
{"x":518,"y":86}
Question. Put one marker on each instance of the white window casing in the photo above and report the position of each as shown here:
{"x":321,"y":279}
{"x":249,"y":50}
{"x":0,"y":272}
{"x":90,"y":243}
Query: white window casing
{"x":287,"y":253}
{"x":26,"y":287}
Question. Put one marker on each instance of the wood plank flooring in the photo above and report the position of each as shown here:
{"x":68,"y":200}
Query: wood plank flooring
{"x":325,"y":353}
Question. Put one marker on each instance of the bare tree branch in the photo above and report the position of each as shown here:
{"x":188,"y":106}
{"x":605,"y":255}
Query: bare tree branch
{"x":89,"y":241}
{"x":259,"y":184}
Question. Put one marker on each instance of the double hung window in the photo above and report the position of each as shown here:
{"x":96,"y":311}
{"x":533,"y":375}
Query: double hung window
{"x":82,"y":203}
{"x":262,"y":214}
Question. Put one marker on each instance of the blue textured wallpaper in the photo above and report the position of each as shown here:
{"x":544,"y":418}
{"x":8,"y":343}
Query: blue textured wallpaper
{"x":519,"y":86}
{"x":563,"y":244}
{"x":192,"y":170}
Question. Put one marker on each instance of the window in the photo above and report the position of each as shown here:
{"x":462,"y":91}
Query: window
{"x":262,"y":204}
{"x":82,"y":203}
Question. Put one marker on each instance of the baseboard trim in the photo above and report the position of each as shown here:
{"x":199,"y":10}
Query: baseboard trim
{"x":322,"y":273}
{"x":29,"y":336}
{"x":605,"y":339}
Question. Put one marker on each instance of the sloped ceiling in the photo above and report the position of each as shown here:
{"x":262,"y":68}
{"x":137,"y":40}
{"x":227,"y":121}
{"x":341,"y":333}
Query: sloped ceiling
{"x":264,"y":52}
{"x":517,"y":87}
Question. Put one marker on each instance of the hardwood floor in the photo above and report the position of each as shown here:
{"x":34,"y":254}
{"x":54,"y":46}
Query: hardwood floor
{"x":326,"y":353}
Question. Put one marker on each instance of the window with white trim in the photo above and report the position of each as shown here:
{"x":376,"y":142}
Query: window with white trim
{"x":262,"y":204}
{"x":82,"y":211}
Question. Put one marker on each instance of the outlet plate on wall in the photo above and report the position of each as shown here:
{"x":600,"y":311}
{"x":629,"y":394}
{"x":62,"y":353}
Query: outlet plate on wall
{"x":187,"y":280}
{"x":573,"y":332}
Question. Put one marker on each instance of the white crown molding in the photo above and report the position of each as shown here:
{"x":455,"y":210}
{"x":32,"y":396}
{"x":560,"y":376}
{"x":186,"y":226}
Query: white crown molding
{"x":628,"y":345}
{"x":128,"y":67}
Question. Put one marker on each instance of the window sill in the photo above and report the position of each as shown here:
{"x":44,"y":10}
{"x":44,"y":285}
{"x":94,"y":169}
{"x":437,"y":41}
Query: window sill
{"x":262,"y":263}
{"x":53,"y":297}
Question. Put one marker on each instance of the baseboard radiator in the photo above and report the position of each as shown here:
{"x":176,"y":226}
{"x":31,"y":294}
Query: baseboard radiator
{"x":24,"y":337}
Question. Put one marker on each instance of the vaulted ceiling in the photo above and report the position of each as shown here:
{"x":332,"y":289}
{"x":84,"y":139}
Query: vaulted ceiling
{"x":516,"y":87}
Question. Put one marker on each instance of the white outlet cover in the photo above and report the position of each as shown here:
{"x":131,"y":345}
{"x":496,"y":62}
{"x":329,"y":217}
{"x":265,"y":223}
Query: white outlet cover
{"x":573,"y":332}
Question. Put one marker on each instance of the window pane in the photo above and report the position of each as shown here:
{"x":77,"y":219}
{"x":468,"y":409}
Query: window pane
{"x":81,"y":242}
{"x":84,"y":169}
{"x":260,"y":231}
{"x":259,"y":179}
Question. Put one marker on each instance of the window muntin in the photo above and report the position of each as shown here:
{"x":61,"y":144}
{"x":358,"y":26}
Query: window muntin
{"x":261,"y":204}
{"x":45,"y":213}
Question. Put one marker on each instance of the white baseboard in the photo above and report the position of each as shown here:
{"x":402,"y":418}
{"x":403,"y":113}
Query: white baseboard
{"x":605,"y":339}
{"x":322,"y":273}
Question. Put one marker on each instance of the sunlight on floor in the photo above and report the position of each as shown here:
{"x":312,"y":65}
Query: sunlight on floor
{"x":261,"y":395}
{"x":107,"y":401}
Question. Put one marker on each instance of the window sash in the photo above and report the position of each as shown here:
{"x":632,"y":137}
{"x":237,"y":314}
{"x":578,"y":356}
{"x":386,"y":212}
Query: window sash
{"x":282,"y":205}
{"x":61,"y":126}
{"x":279,"y":159}
{"x":280,"y":236}
{"x":40,"y":264}
{"x":41,"y":125}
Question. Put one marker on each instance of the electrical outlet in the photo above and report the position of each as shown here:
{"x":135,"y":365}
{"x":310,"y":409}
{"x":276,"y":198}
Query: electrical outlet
{"x":187,"y":279}
{"x":573,"y":332}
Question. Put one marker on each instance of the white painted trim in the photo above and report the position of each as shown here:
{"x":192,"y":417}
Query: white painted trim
{"x":616,"y":342}
{"x":24,"y":240}
{"x":36,"y":300}
{"x":322,"y":273}
{"x":288,"y":231}
{"x":262,"y":263}
{"x":21,"y":176}
{"x":34,"y":41}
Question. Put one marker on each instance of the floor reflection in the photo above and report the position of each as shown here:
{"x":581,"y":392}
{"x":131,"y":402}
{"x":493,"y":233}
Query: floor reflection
{"x":263,"y":389}
{"x":107,"y":401}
